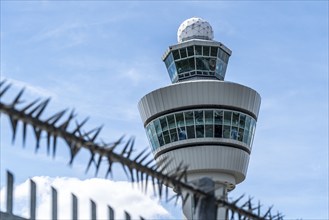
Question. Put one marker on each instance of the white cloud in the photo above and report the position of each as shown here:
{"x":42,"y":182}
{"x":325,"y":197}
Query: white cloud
{"x":33,"y":90}
{"x":120,"y":195}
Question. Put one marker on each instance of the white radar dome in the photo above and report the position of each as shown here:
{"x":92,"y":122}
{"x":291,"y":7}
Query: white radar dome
{"x":194,"y":28}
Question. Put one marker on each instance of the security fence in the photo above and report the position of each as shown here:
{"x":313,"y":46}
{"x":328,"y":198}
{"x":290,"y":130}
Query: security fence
{"x":136,"y":166}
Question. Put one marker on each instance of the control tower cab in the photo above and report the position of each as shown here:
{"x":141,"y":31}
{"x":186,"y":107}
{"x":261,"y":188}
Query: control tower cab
{"x":200,"y":119}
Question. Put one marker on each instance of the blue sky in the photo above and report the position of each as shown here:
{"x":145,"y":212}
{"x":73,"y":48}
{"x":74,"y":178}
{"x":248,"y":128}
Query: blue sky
{"x":101,"y":57}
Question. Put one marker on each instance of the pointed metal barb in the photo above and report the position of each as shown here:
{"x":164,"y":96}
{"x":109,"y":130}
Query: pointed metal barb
{"x":67,"y":122}
{"x":16,"y":100}
{"x":97,"y":131}
{"x":5,"y":90}
{"x":268,"y":212}
{"x":140,"y":154}
{"x":185,"y":198}
{"x":74,"y":149}
{"x":54,"y":145}
{"x":109,"y":169}
{"x":91,"y":160}
{"x":3,"y":82}
{"x":53,"y":119}
{"x":98,"y":164}
{"x":37,"y":132}
{"x":79,"y":125}
{"x":29,"y":105}
{"x":13,"y":123}
{"x":132,"y":143}
{"x":238,"y":199}
{"x":24,"y":133}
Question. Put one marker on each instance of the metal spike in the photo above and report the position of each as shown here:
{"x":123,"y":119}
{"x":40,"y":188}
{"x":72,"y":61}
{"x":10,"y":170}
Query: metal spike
{"x":79,"y":126}
{"x":140,"y":154}
{"x":125,"y":147}
{"x":16,"y":100}
{"x":98,"y":164}
{"x":24,"y":133}
{"x":98,"y":130}
{"x":109,"y":169}
{"x":131,"y":147}
{"x":48,"y":142}
{"x":5,"y":90}
{"x":268,"y":212}
{"x":37,"y":132}
{"x":54,"y":145}
{"x":146,"y":181}
{"x":132,"y":175}
{"x":185,"y":199}
{"x":141,"y":160}
{"x":195,"y":202}
{"x":90,"y":161}
{"x":160,"y":185}
{"x":53,"y":119}
{"x":13,"y":123}
{"x":237,"y":200}
{"x":67,"y":122}
{"x":30,"y":105}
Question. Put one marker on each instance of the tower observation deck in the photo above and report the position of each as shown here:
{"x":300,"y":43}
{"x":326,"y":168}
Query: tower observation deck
{"x":200,"y":119}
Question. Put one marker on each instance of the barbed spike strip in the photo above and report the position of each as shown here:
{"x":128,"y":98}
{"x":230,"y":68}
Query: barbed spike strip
{"x":76,"y":140}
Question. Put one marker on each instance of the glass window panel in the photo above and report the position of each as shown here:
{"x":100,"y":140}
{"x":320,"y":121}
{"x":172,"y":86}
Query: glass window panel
{"x":213,"y":52}
{"x":220,"y":54}
{"x":212,"y":64}
{"x":200,"y":63}
{"x":163,"y":123}
{"x":183,"y":53}
{"x":181,"y":133}
{"x":218,"y":117}
{"x":166,"y":137}
{"x":198,"y":50}
{"x":198,"y":117}
{"x":234,"y":133}
{"x":149,"y":135}
{"x":176,"y":54}
{"x":190,"y":51}
{"x":157,"y":126}
{"x":242,"y":120}
{"x":160,"y":139}
{"x":240,"y":134}
{"x":209,"y":130}
{"x":245,"y":136}
{"x":191,"y":64}
{"x":206,"y":51}
{"x":227,"y":118}
{"x":180,"y":119}
{"x":189,"y":118}
{"x":209,"y":117}
{"x":218,"y":131}
{"x":247,"y":125}
{"x":226,"y":132}
{"x":225,"y":57}
{"x":171,"y":121}
{"x":190,"y":132}
{"x":173,"y":135}
{"x":172,"y":72}
{"x":199,"y":131}
{"x":235,"y":119}
{"x":154,"y":136}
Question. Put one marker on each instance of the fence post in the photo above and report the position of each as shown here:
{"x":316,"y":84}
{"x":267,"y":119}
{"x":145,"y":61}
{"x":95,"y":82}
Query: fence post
{"x":53,"y":203}
{"x":93,"y":210}
{"x":127,"y":216}
{"x":10,"y":186}
{"x":33,"y":199}
{"x":74,"y":207}
{"x":111,"y":213}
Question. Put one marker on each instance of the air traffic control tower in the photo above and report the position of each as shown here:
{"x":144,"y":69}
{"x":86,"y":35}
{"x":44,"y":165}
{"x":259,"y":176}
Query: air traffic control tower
{"x":200,"y":119}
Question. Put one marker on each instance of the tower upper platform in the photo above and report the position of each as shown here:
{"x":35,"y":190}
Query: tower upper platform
{"x":197,"y":55}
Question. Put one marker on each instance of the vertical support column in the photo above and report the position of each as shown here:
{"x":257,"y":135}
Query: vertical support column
{"x":93,"y":210}
{"x":221,"y":193}
{"x":111,"y":213}
{"x":53,"y":203}
{"x":33,"y":200}
{"x":10,"y":192}
{"x":74,"y":207}
{"x":127,"y":216}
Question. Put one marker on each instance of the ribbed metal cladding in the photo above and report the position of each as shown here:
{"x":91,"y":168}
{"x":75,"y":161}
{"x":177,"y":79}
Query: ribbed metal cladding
{"x":215,"y":159}
{"x":201,"y":93}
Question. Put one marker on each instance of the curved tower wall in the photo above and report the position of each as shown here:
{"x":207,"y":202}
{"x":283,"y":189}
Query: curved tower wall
{"x":222,"y":155}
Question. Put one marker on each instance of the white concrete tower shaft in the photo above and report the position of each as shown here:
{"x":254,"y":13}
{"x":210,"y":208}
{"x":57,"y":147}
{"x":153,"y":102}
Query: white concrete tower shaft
{"x":201,"y":120}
